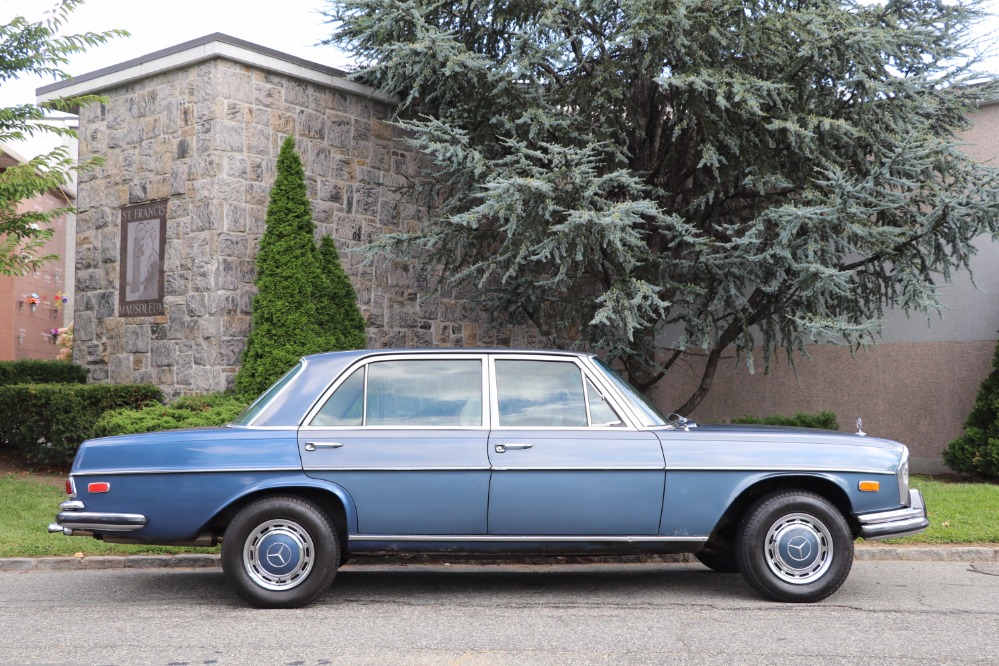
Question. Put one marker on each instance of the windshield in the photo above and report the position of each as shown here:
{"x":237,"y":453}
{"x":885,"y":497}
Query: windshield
{"x":258,"y":405}
{"x":651,"y":416}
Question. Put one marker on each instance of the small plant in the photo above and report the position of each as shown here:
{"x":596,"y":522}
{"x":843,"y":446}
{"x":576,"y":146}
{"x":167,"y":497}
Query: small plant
{"x":65,"y":342}
{"x":977,"y":450}
{"x":822,"y":420}
{"x":304,"y":303}
{"x":46,"y":423}
{"x":192,"y":411}
{"x":41,"y":372}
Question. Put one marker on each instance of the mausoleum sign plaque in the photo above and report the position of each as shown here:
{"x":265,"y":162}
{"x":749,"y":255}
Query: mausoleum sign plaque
{"x":143,"y":244}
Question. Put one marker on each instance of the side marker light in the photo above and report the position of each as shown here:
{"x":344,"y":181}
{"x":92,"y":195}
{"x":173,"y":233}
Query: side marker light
{"x":99,"y":487}
{"x":870,"y":486}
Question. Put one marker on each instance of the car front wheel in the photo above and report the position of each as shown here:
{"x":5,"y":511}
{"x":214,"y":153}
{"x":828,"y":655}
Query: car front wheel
{"x":280,"y":552}
{"x":794,"y":546}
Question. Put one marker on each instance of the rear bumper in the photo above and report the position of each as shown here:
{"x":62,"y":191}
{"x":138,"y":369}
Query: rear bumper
{"x":73,"y":520}
{"x":898,"y":522}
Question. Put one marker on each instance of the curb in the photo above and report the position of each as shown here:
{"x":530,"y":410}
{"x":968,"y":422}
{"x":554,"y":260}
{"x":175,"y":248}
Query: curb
{"x":213,"y":561}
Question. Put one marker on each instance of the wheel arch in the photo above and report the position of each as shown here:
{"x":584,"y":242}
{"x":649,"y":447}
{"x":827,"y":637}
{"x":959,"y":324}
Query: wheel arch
{"x":827,"y":486}
{"x":333,"y":499}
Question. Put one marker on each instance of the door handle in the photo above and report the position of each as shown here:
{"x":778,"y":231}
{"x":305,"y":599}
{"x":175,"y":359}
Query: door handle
{"x":502,"y":448}
{"x":312,"y":446}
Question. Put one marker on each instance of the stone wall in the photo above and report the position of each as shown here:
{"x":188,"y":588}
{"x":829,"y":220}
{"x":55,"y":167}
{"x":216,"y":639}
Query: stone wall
{"x":205,"y":137}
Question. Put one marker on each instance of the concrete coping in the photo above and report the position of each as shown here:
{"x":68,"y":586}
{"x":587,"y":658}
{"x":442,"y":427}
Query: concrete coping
{"x":209,"y":47}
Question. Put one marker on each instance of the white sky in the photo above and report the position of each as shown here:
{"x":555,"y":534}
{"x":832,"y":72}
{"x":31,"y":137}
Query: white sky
{"x":290,"y":26}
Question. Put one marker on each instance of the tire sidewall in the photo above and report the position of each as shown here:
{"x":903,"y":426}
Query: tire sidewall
{"x":751,"y":546}
{"x":326,"y":551}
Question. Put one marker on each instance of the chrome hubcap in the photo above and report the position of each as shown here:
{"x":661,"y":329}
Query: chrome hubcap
{"x":278,"y":554}
{"x":799,"y":548}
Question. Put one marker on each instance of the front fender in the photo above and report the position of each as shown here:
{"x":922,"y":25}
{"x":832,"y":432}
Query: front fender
{"x":696,"y":501}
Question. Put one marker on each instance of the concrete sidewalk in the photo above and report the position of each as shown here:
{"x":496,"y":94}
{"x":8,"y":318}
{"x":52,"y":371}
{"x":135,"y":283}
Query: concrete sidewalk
{"x":986,"y":553}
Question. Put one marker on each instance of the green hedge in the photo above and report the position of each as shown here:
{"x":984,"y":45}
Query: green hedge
{"x":47,"y":422}
{"x":822,"y":420}
{"x":190,"y":411}
{"x":41,"y":372}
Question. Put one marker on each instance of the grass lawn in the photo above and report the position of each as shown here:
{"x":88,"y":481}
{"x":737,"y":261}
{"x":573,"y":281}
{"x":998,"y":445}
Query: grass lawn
{"x":28,"y":503}
{"x":960,"y":513}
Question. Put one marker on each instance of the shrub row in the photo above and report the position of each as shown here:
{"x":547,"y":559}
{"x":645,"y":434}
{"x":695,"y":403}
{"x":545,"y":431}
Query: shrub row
{"x":823,"y":420}
{"x":191,"y":411}
{"x":41,"y":372}
{"x":47,"y":422}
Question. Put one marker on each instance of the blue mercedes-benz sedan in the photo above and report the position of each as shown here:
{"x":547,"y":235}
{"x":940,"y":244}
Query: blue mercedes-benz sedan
{"x":488,"y":451}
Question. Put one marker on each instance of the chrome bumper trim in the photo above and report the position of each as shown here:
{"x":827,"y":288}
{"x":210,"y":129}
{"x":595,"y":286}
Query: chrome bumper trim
{"x":898,"y":522}
{"x":97,"y":522}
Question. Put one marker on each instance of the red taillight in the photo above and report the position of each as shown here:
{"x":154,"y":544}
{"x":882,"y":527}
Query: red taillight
{"x":99,"y":487}
{"x":69,"y":486}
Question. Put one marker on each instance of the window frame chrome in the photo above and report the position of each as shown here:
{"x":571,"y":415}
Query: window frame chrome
{"x":586,"y":372}
{"x":482,"y":357}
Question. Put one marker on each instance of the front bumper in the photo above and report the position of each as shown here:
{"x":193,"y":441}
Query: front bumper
{"x":73,"y":520}
{"x":898,"y":522}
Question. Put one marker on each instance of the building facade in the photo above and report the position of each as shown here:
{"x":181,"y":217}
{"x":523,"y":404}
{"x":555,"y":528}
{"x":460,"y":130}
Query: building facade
{"x":35,"y":305}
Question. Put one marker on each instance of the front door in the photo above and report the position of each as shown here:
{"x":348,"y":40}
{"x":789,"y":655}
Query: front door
{"x":406,"y":438}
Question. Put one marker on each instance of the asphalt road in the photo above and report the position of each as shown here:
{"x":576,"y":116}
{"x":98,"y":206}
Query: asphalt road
{"x":887,"y":613}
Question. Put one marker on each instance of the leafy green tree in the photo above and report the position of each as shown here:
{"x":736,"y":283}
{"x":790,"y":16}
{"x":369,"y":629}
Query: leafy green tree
{"x":296,"y":311}
{"x":285,"y":324}
{"x":37,"y":48}
{"x":977,"y":450}
{"x":658,"y":179}
{"x":336,"y":307}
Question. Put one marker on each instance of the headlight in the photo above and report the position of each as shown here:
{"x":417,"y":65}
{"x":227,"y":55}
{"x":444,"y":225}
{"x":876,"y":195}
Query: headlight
{"x":903,"y":479}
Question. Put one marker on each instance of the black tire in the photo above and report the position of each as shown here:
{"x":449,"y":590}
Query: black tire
{"x":794,"y":546}
{"x":280,"y":552}
{"x":718,"y":558}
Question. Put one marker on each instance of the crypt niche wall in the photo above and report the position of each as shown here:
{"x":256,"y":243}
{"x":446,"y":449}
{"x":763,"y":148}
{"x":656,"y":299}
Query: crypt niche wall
{"x":168,"y":228}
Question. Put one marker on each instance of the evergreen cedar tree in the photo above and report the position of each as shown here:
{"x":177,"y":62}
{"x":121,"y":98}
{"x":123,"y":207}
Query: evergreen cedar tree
{"x":977,"y":450}
{"x":666,"y":181}
{"x":304,"y":303}
{"x":36,"y":48}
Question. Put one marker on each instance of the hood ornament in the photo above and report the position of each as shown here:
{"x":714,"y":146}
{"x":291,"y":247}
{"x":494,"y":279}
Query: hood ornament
{"x":860,"y":427}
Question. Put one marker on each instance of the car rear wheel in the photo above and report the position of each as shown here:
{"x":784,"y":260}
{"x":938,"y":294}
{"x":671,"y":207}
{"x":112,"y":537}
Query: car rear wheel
{"x":280,"y":552}
{"x":794,"y":546}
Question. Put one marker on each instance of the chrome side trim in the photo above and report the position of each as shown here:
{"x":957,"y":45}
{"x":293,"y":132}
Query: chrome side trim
{"x":223,"y":470}
{"x":396,"y":469}
{"x":776,"y":468}
{"x":105,"y":522}
{"x":526,"y":539}
{"x":72,"y":505}
{"x":580,"y":468}
{"x":897,"y":522}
